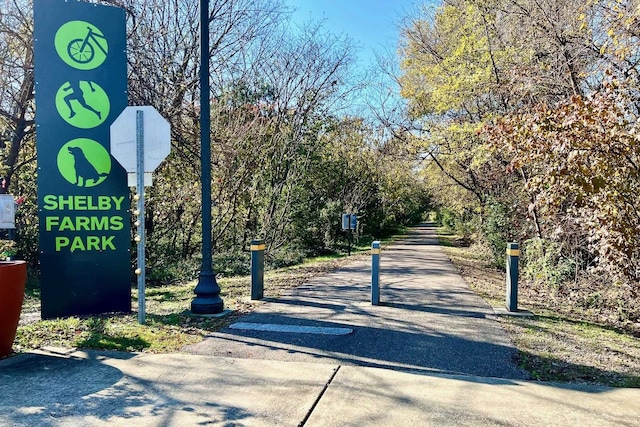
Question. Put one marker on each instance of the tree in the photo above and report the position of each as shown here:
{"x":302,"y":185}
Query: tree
{"x":582,"y":155}
{"x":454,"y":78}
{"x":16,"y":89}
{"x":471,"y":62}
{"x":276,"y":125}
{"x":17,"y":125}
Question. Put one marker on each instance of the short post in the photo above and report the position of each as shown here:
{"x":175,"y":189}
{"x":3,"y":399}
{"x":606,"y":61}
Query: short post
{"x":257,"y":269}
{"x":512,"y":276}
{"x":375,"y":273}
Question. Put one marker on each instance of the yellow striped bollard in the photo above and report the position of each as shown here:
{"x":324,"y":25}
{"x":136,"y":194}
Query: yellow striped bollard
{"x":513,"y":253}
{"x":257,"y":269}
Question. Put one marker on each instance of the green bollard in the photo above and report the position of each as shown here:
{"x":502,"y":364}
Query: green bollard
{"x":512,"y":276}
{"x":257,"y":269}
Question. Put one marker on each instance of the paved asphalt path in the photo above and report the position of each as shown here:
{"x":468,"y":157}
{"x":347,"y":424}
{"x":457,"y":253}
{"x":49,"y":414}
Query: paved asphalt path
{"x":428,"y":320}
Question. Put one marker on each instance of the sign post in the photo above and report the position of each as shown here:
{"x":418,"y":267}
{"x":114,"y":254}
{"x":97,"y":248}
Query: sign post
{"x":139,"y":157}
{"x":350,"y":223}
{"x":140,"y":238}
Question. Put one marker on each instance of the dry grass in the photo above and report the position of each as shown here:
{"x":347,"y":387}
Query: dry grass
{"x":169,"y":324}
{"x":563,"y":341}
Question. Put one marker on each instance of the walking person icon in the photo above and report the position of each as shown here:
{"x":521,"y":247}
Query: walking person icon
{"x":82,"y":103}
{"x":78,"y":95}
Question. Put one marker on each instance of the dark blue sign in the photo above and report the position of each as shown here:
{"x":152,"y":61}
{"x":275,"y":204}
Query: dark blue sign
{"x":83,"y":198}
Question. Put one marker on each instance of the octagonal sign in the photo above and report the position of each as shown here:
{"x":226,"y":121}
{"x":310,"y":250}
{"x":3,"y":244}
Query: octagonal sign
{"x":156,"y":138}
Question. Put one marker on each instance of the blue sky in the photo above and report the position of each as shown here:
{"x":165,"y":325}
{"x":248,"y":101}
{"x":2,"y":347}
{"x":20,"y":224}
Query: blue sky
{"x":372,"y":24}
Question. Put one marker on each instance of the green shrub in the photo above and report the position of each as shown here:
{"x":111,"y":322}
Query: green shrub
{"x":169,"y":269}
{"x":543,"y":263}
{"x":496,"y":230}
{"x":447,"y":218}
{"x":232,"y":263}
{"x":285,"y":258}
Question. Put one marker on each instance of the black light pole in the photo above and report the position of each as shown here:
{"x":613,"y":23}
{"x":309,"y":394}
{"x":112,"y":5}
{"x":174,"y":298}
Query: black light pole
{"x":207,"y":300}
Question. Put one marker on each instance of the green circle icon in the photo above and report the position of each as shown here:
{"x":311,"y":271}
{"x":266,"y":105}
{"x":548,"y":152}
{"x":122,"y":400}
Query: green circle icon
{"x":83,"y":104}
{"x":81,"y":45}
{"x":84,"y":162}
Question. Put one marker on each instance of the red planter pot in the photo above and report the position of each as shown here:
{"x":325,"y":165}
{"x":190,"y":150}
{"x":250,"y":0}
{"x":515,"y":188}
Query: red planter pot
{"x":13,"y":276}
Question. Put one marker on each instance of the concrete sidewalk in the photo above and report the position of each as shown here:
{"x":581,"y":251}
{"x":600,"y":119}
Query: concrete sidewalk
{"x":431,"y":354}
{"x":117,"y":389}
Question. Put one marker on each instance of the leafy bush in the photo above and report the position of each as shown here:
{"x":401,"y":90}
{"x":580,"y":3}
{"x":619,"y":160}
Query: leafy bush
{"x":496,"y":230}
{"x":232,"y":263}
{"x":168,"y":270}
{"x":285,"y":258}
{"x":543,"y":263}
{"x":7,"y":248}
{"x":447,"y":218}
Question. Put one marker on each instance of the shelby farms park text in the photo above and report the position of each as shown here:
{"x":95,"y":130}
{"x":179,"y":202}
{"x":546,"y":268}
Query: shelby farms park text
{"x":97,"y":221}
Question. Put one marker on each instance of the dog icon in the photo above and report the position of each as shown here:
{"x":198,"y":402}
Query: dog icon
{"x":85,"y":172}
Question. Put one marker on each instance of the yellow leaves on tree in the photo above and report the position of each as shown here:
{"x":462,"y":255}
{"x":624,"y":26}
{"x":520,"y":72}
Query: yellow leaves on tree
{"x":447,"y":63}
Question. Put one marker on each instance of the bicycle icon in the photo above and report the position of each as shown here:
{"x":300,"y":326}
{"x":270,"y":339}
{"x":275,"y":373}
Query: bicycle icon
{"x":82,"y":50}
{"x":81,"y":45}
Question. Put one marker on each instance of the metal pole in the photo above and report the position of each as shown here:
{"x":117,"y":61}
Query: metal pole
{"x":512,"y":276}
{"x":140,"y":271}
{"x":208,"y":299}
{"x":375,"y":273}
{"x":257,"y":269}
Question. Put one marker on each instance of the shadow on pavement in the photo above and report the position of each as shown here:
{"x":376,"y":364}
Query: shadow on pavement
{"x":405,"y":346}
{"x":47,"y":390}
{"x":54,"y":385}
